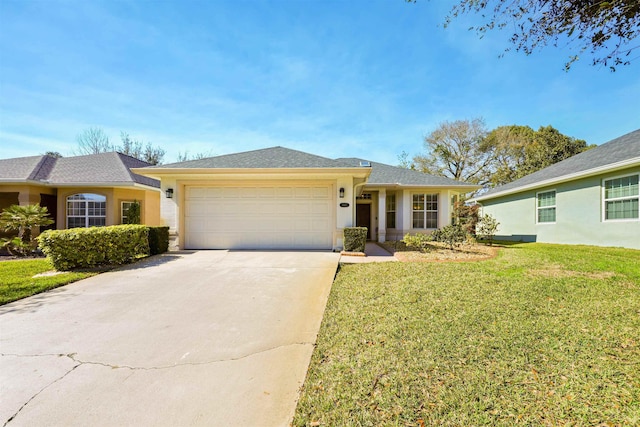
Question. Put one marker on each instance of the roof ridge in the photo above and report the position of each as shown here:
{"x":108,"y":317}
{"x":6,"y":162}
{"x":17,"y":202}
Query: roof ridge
{"x":40,"y":165}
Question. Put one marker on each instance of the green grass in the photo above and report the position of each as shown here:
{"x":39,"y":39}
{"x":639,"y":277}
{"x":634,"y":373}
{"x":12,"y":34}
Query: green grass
{"x":540,"y":335}
{"x":17,"y":281}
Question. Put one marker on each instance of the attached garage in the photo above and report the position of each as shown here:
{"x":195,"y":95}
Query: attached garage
{"x":260,"y":215}
{"x":274,"y":198}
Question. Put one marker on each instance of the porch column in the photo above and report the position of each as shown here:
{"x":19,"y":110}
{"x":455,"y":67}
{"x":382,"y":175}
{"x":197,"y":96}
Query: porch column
{"x":444,"y":208}
{"x":407,"y":204}
{"x":382,"y":215}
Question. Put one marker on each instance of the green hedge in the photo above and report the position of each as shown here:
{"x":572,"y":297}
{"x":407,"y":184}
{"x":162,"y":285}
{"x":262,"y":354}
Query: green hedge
{"x":95,"y":246}
{"x":355,"y":239}
{"x":158,"y":240}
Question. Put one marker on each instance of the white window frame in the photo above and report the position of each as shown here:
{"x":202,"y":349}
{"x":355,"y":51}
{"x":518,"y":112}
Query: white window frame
{"x":86,"y":216}
{"x":388,"y":210}
{"x":425,"y":210}
{"x":605,"y":200}
{"x":539,"y":208}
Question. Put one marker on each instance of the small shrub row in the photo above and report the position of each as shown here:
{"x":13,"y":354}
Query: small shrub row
{"x":97,"y":246}
{"x":355,"y":239}
{"x":454,"y":235}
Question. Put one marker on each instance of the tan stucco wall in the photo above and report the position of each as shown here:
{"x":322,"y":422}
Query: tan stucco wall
{"x":29,"y":194}
{"x":149,"y":203}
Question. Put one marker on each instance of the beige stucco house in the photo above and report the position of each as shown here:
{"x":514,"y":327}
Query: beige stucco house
{"x":80,"y":191}
{"x":279,"y":198}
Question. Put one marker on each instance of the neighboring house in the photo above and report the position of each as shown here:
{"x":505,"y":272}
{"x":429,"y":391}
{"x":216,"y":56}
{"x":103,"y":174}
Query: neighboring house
{"x":279,"y":198}
{"x":80,"y":191}
{"x":590,"y":198}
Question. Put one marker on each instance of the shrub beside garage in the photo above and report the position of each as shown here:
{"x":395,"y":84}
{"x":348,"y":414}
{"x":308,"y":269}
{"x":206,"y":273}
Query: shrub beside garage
{"x":355,"y":239}
{"x":100,"y":246}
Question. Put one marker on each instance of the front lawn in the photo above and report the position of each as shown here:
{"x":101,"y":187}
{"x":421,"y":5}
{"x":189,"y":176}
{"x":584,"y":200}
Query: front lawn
{"x":540,"y":335}
{"x":17,"y":281}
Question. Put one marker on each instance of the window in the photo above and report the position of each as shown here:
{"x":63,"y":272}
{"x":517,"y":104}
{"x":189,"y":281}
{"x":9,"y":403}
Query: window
{"x":621,"y":198}
{"x":364,"y":196}
{"x":86,"y":210}
{"x":546,"y":207}
{"x":425,"y":211}
{"x":391,"y":211}
{"x":124,"y":207}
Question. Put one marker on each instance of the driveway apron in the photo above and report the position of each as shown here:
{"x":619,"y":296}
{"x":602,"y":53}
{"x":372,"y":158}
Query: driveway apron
{"x":212,"y":338}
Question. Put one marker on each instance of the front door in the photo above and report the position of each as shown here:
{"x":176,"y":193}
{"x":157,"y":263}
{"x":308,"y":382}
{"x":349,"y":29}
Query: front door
{"x":363,"y":217}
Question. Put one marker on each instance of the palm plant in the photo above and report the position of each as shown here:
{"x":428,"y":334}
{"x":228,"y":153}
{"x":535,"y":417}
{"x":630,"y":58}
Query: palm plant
{"x":23,"y":219}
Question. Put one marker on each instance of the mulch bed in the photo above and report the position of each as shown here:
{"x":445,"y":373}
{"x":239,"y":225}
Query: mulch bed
{"x":440,"y":252}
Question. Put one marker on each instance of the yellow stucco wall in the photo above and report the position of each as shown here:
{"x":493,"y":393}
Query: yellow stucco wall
{"x":149,"y":203}
{"x":28,"y":194}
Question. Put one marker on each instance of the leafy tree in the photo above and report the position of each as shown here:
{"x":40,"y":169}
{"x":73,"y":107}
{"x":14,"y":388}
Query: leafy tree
{"x":53,"y":154}
{"x":549,"y":147}
{"x":520,"y":151}
{"x":23,"y":219}
{"x":606,"y":30}
{"x":510,"y":143}
{"x":93,"y":140}
{"x":458,"y":150}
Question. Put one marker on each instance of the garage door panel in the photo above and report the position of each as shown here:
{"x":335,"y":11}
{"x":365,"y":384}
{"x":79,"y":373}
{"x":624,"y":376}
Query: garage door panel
{"x":259,"y":216}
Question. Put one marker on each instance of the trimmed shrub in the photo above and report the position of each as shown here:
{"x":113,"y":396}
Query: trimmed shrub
{"x":158,"y":240}
{"x":355,"y":239}
{"x":419,"y":241}
{"x":487,"y":228}
{"x":95,"y":246}
{"x":452,"y":235}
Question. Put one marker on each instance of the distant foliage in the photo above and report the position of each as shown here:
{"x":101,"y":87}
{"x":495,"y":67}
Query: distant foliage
{"x":465,"y":151}
{"x":94,"y":140}
{"x":186,"y":156}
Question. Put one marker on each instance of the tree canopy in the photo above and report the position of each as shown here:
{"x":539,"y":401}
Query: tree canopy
{"x":464,"y":150}
{"x":457,"y":150}
{"x":520,"y":151}
{"x":604,"y":30}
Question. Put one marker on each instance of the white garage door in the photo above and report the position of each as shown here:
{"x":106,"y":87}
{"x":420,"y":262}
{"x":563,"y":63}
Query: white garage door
{"x":259,"y":216}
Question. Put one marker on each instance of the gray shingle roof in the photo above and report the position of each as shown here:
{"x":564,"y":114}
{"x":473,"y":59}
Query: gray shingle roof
{"x":267,"y":158}
{"x":21,"y":168}
{"x":393,"y":175}
{"x":104,"y":168}
{"x":623,"y":148}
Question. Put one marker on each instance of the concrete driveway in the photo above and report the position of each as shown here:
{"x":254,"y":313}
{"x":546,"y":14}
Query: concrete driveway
{"x":210,"y":338}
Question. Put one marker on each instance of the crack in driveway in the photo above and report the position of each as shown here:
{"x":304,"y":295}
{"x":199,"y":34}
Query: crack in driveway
{"x":79,"y":362}
{"x":73,"y":356}
{"x":39,"y":391}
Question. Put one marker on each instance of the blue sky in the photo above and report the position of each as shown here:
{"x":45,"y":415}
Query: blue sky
{"x":334,"y":78}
